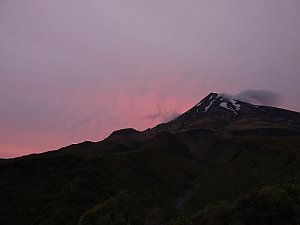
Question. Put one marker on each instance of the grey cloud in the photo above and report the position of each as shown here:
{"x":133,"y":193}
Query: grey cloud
{"x":163,"y":116}
{"x":264,"y":97}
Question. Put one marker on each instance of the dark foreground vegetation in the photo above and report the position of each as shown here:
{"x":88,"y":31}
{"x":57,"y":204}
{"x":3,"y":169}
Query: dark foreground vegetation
{"x":249,"y":180}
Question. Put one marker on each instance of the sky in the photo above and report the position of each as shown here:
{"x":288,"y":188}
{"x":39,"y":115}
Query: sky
{"x":76,"y":70}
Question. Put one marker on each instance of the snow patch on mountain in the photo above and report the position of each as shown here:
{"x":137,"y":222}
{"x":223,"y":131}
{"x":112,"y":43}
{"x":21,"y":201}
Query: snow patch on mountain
{"x":210,"y":104}
{"x":237,"y":106}
{"x":199,"y":104}
{"x":225,"y":105}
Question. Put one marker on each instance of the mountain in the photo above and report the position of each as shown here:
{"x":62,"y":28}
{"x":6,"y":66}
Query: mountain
{"x":224,"y":161}
{"x":218,"y":111}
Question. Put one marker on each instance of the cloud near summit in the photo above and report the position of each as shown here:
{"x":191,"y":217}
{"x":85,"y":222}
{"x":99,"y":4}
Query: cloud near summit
{"x":163,"y":116}
{"x":263,"y":97}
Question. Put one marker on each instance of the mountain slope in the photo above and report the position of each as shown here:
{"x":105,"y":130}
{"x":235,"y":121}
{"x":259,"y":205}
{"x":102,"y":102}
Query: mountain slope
{"x":211,"y":165}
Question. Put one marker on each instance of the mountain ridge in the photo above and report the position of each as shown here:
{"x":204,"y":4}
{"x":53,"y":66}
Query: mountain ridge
{"x":224,"y":164}
{"x":218,"y":108}
{"x":210,"y":106}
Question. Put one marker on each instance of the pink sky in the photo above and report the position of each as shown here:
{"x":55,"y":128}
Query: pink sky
{"x":75,"y":70}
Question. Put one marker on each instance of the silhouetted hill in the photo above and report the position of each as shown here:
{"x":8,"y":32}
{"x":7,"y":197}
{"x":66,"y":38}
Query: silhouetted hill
{"x":222,"y":162}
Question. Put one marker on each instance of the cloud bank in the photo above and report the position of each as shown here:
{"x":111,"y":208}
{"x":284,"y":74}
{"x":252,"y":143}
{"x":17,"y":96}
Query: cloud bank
{"x":263,"y":97}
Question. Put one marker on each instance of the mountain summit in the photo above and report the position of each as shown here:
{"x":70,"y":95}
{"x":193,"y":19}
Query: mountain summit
{"x":214,"y":100}
{"x":223,"y":105}
{"x":220,"y":111}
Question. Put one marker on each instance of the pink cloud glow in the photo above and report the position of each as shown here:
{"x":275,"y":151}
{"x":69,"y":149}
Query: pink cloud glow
{"x":55,"y":116}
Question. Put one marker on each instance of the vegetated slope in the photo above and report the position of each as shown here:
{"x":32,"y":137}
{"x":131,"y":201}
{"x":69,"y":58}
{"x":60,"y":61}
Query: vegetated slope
{"x":222,"y":162}
{"x":58,"y":189}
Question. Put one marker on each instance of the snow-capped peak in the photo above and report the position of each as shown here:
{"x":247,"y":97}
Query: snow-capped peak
{"x":221,"y":105}
{"x":218,"y":100}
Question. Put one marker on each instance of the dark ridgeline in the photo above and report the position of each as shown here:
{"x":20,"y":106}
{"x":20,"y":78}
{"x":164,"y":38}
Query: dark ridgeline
{"x":222,"y":162}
